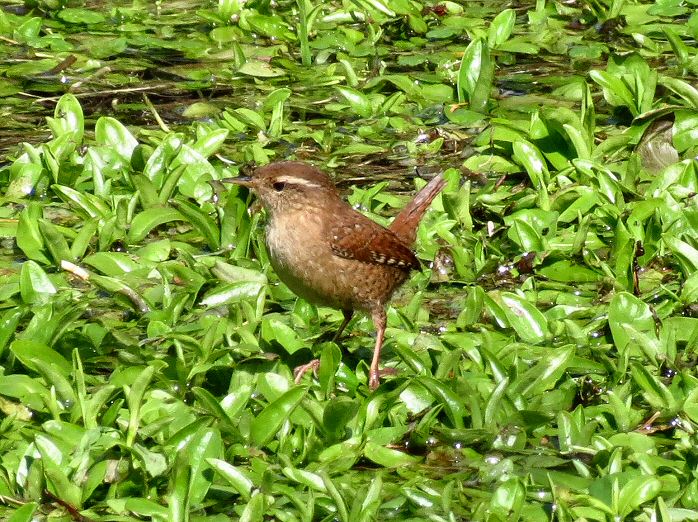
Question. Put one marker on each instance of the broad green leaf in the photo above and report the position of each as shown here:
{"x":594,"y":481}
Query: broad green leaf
{"x":475,"y":76}
{"x":358,"y":102}
{"x":210,"y":142}
{"x":388,"y":457}
{"x":654,"y":391}
{"x":452,"y":403}
{"x":144,"y":222}
{"x":267,"y":424}
{"x":74,"y":15}
{"x":206,"y":444}
{"x":232,"y":293}
{"x":234,"y":476}
{"x":112,"y":263}
{"x":141,"y":506}
{"x":135,"y":402}
{"x":90,"y":205}
{"x":55,"y":242}
{"x":254,"y":509}
{"x":201,"y":221}
{"x":526,"y":320}
{"x":626,"y":310}
{"x":501,"y":27}
{"x":274,"y":329}
{"x":546,"y":372}
{"x":34,"y":284}
{"x":261,"y":70}
{"x":68,"y":118}
{"x":29,"y":237}
{"x":24,"y":513}
{"x":110,"y":132}
{"x":636,"y":492}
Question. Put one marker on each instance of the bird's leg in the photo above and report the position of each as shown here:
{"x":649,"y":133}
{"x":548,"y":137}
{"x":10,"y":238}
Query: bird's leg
{"x":379,"y":320}
{"x":347,"y":317}
{"x":300,"y":371}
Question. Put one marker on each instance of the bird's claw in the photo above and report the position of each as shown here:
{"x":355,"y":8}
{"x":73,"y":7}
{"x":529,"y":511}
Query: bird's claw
{"x":300,"y":371}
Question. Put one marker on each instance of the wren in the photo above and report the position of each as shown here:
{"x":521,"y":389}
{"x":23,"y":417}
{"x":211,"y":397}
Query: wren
{"x":328,"y":253}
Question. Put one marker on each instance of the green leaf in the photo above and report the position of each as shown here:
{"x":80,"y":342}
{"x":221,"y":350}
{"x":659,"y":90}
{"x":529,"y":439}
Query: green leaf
{"x":533,"y":161}
{"x":261,"y":70}
{"x":74,"y":15}
{"x":201,"y":221}
{"x":685,"y":90}
{"x":528,"y":322}
{"x":625,"y":311}
{"x":452,"y":403}
{"x":24,"y":513}
{"x":614,"y":90}
{"x":34,"y":285}
{"x":27,"y":30}
{"x":112,"y":263}
{"x":255,"y":509}
{"x":26,"y":389}
{"x":388,"y":457}
{"x":330,"y":360}
{"x":144,"y":222}
{"x":276,"y":100}
{"x":210,"y":142}
{"x":29,"y":238}
{"x":147,"y":192}
{"x":509,"y":498}
{"x":267,"y":424}
{"x":140,"y":506}
{"x":205,"y":444}
{"x":654,"y":391}
{"x":501,"y":27}
{"x":636,"y":492}
{"x":545,"y":374}
{"x":232,"y":293}
{"x":68,"y":118}
{"x":305,"y":478}
{"x":9,"y":320}
{"x":685,"y":253}
{"x":475,"y":76}
{"x":358,"y":102}
{"x":90,"y":205}
{"x":274,"y":329}
{"x":234,"y":476}
{"x":135,"y":402}
{"x":55,"y":242}
{"x":83,"y":239}
{"x":111,"y":133}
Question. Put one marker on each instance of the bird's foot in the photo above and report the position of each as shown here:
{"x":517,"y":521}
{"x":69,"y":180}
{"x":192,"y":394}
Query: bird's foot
{"x":375,"y":375}
{"x":300,"y":371}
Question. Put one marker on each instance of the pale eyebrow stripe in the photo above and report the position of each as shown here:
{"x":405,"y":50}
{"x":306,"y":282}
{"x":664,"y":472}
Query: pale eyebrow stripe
{"x":297,"y":181}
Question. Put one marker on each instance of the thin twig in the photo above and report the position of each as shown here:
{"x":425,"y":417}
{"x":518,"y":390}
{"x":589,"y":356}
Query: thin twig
{"x":99,"y":72}
{"x":155,"y":113}
{"x":97,"y":93}
{"x":72,"y":510}
{"x":85,"y":275}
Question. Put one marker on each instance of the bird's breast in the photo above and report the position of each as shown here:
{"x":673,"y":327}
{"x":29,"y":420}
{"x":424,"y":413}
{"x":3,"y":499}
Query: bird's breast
{"x":301,"y":257}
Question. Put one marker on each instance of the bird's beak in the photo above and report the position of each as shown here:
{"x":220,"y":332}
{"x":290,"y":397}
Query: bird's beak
{"x":245,"y":181}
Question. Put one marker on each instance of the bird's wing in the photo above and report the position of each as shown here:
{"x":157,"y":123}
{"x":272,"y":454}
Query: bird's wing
{"x":368,"y":242}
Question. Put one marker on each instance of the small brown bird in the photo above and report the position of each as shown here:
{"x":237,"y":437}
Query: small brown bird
{"x":328,"y":253}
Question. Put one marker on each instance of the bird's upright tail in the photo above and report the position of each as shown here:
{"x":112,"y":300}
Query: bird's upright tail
{"x":405,"y":224}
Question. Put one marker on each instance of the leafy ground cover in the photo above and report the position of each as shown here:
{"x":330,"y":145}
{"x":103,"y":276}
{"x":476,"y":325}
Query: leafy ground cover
{"x":546,"y":354}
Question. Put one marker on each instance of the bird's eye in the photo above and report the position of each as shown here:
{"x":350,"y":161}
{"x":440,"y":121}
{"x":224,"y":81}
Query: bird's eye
{"x":279,"y":186}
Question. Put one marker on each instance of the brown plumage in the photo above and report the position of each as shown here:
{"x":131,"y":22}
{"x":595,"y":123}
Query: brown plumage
{"x":328,"y":253}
